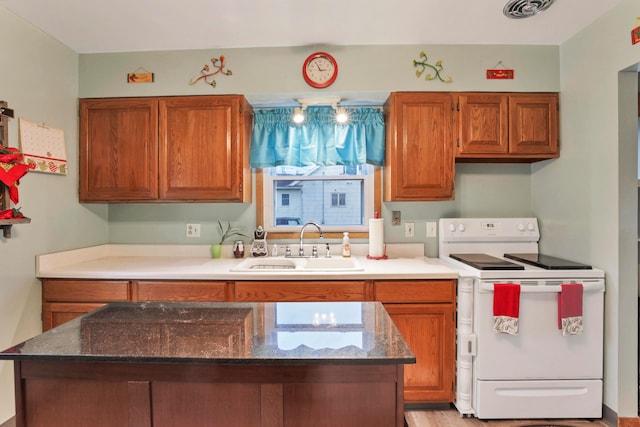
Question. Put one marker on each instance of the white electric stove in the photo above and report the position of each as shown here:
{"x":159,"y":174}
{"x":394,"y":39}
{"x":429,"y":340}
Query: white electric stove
{"x":539,"y":373}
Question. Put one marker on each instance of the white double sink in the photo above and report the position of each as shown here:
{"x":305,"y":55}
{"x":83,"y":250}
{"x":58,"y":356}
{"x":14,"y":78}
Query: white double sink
{"x":297,"y":265}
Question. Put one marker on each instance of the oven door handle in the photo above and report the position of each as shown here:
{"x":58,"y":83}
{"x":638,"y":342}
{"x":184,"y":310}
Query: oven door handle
{"x":586,"y":287}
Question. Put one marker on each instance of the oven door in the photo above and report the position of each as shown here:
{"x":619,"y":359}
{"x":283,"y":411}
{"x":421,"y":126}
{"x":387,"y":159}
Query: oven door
{"x":539,"y":351}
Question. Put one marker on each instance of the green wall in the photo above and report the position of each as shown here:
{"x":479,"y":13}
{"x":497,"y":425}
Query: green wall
{"x":40,"y":82}
{"x":367,"y":73}
{"x":588,"y":197}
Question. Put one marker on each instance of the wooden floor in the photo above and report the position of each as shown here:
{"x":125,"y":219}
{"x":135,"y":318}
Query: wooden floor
{"x":447,"y":417}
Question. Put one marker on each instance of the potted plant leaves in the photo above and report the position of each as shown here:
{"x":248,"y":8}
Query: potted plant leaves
{"x":225,"y":231}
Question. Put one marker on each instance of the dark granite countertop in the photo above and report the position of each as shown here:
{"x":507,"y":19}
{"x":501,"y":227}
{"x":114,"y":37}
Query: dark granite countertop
{"x":286,"y":333}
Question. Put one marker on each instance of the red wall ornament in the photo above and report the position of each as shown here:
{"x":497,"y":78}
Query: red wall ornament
{"x":501,"y":74}
{"x":635,"y":33}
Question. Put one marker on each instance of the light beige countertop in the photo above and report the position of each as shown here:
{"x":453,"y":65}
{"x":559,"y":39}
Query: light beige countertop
{"x":194,"y":262}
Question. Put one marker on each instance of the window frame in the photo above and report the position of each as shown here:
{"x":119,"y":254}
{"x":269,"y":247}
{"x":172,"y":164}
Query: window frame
{"x":293,"y":232}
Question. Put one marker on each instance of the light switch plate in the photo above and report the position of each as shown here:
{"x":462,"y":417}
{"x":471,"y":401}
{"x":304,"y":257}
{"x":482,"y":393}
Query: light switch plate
{"x":431,"y":229}
{"x":409,"y":229}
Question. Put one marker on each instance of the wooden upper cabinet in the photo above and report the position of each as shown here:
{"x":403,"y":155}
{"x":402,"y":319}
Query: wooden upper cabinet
{"x":165,"y":149}
{"x":419,"y":162}
{"x":507,"y":127}
{"x":533,"y":124}
{"x":204,"y":148}
{"x":482,"y":124}
{"x":118,"y":149}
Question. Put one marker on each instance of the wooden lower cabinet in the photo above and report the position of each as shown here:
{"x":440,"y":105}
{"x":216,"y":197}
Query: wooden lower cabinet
{"x":422,"y":310}
{"x":424,"y":313}
{"x":56,"y":313}
{"x":197,"y":395}
{"x":428,"y":329}
{"x":66,"y":299}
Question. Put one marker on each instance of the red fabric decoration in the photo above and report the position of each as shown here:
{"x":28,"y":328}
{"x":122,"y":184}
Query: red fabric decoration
{"x":506,"y":299}
{"x":10,"y":155}
{"x":11,"y":213}
{"x":13,"y":174}
{"x":569,"y":302}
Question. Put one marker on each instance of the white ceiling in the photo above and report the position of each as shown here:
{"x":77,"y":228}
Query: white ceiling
{"x":89,"y":26}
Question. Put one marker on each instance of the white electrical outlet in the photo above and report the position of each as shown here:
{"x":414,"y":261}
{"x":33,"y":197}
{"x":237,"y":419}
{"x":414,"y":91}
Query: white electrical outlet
{"x":193,"y":230}
{"x":431,"y":229}
{"x":408,"y":229}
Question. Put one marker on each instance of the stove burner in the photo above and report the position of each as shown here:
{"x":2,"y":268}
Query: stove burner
{"x":486,"y":262}
{"x":547,"y":262}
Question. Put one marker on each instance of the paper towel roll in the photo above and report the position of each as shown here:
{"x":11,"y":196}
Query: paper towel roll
{"x":376,"y":237}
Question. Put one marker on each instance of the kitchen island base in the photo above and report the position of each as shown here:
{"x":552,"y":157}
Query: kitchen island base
{"x":110,"y":394}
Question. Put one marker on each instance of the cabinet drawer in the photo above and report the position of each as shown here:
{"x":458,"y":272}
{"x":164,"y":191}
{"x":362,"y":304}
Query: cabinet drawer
{"x":300,"y":291}
{"x":181,"y":291}
{"x":85,"y":290}
{"x":415,"y":291}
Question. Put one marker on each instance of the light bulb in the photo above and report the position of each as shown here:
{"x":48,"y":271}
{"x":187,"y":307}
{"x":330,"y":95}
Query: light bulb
{"x":341,"y":115}
{"x":298,"y":115}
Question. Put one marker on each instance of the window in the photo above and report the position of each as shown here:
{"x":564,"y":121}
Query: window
{"x":339,"y":198}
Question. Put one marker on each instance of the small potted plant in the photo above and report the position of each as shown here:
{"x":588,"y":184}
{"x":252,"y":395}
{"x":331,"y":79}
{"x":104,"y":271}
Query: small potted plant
{"x":226,"y":232}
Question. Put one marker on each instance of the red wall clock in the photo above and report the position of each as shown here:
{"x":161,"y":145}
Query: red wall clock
{"x":320,"y":70}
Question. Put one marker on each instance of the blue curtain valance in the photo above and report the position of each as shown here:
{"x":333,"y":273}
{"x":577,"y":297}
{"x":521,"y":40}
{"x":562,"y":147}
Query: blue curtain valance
{"x":276,"y":140}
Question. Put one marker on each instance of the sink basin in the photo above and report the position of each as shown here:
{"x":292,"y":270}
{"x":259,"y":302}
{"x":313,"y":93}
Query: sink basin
{"x":262,"y":264}
{"x":332,"y":264}
{"x":297,"y":265}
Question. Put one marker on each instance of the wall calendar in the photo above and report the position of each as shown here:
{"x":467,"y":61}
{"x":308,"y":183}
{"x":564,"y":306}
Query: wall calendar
{"x":43,"y":147}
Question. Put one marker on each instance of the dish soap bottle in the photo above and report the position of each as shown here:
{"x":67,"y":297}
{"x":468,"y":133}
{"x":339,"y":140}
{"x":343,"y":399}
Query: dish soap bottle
{"x":346,"y":245}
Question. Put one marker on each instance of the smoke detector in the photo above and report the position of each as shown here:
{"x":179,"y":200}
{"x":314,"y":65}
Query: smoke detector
{"x":518,"y":9}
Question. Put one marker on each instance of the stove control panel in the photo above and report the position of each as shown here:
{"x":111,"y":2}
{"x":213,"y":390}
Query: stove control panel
{"x":489,"y":229}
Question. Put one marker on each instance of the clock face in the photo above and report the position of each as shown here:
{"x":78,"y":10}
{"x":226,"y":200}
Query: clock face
{"x":320,"y":70}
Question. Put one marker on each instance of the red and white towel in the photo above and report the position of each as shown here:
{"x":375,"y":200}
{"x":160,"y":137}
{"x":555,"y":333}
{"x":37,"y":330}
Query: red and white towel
{"x":570,"y":309}
{"x":506,"y":308}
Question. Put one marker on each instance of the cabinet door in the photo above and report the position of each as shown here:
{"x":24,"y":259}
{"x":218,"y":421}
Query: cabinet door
{"x":429,"y":331}
{"x":66,"y":299}
{"x":483,"y":125}
{"x":533,"y":124}
{"x":118,"y":149}
{"x":56,"y":313}
{"x":204,"y":148}
{"x":419,"y":162}
{"x":180,"y":291}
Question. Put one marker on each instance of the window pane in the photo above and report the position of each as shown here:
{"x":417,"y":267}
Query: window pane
{"x":333,"y":196}
{"x":330,"y":202}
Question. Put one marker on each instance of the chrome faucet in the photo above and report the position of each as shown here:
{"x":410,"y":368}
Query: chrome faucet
{"x":315,"y":224}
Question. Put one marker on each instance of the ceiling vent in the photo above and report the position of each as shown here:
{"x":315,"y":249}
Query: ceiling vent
{"x":518,"y":9}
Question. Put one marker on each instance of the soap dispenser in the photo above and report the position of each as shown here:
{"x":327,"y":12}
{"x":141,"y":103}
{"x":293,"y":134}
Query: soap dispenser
{"x":346,"y":245}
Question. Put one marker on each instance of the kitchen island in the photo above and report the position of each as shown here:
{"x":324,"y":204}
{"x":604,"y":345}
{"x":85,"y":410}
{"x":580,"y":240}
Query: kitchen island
{"x":215,"y":364}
